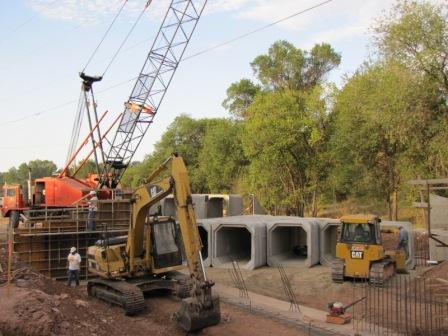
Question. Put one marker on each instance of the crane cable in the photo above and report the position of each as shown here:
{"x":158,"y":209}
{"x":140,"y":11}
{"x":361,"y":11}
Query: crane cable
{"x":105,"y":35}
{"x":126,"y":38}
{"x":56,"y":107}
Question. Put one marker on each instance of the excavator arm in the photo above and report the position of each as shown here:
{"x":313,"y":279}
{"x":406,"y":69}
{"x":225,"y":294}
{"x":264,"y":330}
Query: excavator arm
{"x":202,"y":308}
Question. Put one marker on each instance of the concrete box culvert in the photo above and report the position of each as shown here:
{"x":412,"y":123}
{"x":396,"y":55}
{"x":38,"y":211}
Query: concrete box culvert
{"x":241,"y":239}
{"x":222,"y":205}
{"x":205,"y":233}
{"x":329,"y":231}
{"x":199,"y":202}
{"x":292,"y":241}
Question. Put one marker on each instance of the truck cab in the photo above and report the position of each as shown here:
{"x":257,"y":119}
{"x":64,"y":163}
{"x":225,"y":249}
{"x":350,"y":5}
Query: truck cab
{"x":13,"y":203}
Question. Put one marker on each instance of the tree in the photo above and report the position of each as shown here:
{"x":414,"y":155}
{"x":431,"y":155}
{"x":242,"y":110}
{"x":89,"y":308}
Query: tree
{"x":383,"y":114}
{"x":222,"y":160}
{"x":285,"y":139}
{"x":287,"y":67}
{"x":39,"y":168}
{"x":184,"y":136}
{"x":239,"y":97}
{"x":416,"y":35}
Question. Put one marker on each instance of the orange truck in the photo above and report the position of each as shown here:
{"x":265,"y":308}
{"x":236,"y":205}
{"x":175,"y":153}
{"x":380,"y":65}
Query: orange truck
{"x":45,"y":192}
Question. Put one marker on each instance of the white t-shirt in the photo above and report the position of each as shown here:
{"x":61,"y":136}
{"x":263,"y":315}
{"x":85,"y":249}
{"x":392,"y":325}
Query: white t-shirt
{"x":74,"y":260}
{"x":93,"y":204}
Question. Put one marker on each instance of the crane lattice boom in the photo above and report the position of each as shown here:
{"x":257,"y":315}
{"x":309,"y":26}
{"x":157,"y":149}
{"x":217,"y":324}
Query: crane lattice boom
{"x":151,"y":85}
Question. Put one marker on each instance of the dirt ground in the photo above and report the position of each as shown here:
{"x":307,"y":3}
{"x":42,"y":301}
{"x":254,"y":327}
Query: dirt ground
{"x":313,"y":286}
{"x":51,"y":308}
{"x":34,"y":305}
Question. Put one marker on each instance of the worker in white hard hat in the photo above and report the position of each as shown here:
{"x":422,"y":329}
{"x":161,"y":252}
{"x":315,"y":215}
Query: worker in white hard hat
{"x":93,"y":208}
{"x":74,"y":262}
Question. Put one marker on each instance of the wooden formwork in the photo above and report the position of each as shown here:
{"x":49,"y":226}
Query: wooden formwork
{"x":43,"y":240}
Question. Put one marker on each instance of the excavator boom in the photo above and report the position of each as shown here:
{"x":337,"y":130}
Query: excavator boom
{"x":152,"y":252}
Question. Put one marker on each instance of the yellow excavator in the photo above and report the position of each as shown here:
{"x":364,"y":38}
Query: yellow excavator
{"x":360,"y":253}
{"x":150,"y":256}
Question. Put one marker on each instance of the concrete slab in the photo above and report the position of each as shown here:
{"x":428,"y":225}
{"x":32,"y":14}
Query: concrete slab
{"x":200,"y":202}
{"x":439,"y":211}
{"x":241,"y":239}
{"x":437,"y":252}
{"x":292,"y":241}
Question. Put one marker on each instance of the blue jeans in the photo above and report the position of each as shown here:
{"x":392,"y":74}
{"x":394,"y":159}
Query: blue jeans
{"x":73,"y":275}
{"x":403,"y":245}
{"x":91,"y":222}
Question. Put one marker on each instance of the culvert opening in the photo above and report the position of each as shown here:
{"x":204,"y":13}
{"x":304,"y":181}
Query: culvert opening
{"x":204,"y":239}
{"x":289,"y":244}
{"x":329,"y":242}
{"x":215,"y":207}
{"x":233,"y":244}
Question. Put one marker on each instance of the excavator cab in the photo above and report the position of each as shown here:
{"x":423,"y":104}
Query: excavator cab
{"x":166,"y":244}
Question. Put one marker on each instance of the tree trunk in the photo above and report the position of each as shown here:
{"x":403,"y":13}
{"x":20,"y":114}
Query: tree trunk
{"x":395,"y":205}
{"x":389,"y":205}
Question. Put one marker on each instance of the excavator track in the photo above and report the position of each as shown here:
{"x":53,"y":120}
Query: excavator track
{"x":337,"y":270}
{"x":381,"y":271}
{"x":119,"y":293}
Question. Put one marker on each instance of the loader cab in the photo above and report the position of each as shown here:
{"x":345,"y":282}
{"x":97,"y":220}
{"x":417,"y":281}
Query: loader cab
{"x":166,"y":243}
{"x":360,"y":230}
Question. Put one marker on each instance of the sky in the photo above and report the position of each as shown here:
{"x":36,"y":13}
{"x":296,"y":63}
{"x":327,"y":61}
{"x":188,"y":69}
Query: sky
{"x":44,"y":44}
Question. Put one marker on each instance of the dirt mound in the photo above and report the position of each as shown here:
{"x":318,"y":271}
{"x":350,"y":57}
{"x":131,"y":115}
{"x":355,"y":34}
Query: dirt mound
{"x":440,"y":271}
{"x":49,"y":308}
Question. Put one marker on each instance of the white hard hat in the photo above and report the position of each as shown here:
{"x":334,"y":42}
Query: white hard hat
{"x":73,"y":250}
{"x":92,"y":192}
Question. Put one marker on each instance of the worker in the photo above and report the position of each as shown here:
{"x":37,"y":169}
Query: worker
{"x":74,"y":261}
{"x":359,"y":233}
{"x":404,"y":240}
{"x":93,"y":208}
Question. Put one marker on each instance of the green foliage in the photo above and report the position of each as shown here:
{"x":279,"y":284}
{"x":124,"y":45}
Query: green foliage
{"x":210,"y":148}
{"x":221,"y":160}
{"x":284,"y":140}
{"x":383,"y":117}
{"x":239,"y":97}
{"x":287,"y":67}
{"x":416,"y":35}
{"x":39,"y":168}
{"x":89,"y":167}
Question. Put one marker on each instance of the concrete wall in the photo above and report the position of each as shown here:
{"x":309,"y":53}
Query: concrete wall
{"x":328,"y":239}
{"x":206,"y":234}
{"x":439,"y":211}
{"x":221,"y":205}
{"x":292,"y":241}
{"x":437,"y":252}
{"x":199,"y":202}
{"x":241,"y":239}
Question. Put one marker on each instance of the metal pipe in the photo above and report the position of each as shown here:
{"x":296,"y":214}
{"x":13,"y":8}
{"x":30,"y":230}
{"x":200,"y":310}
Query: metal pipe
{"x":91,"y":132}
{"x":85,"y":160}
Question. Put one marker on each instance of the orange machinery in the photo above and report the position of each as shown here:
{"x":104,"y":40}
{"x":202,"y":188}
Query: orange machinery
{"x":50,"y":192}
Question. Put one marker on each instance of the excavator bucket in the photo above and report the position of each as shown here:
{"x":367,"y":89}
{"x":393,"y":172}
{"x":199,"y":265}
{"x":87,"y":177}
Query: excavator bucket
{"x":193,"y":315}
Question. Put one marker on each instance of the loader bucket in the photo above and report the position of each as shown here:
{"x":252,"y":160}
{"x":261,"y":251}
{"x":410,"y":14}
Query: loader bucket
{"x":193,"y":316}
